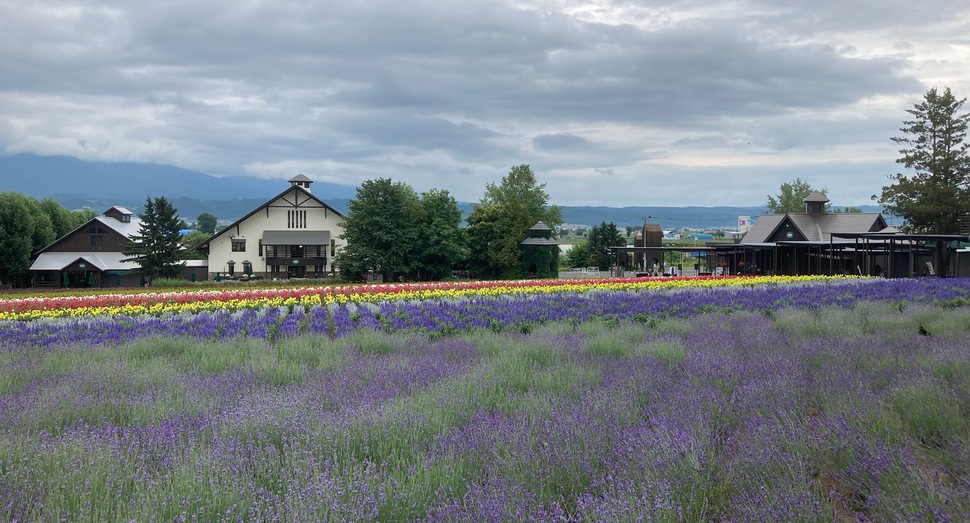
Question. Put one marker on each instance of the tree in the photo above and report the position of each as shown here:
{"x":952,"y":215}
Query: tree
{"x":499,"y":223}
{"x":494,"y":234}
{"x":578,"y":255}
{"x":935,"y":196}
{"x":189,"y":243}
{"x":157,"y":246}
{"x":791,"y":199}
{"x":600,"y":238}
{"x":520,"y":186}
{"x":206,"y":223}
{"x":383,"y":230}
{"x":443,"y":245}
{"x":849,"y":209}
{"x":24,"y":229}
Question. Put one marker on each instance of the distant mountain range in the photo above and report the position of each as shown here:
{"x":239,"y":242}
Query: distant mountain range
{"x":76,"y":184}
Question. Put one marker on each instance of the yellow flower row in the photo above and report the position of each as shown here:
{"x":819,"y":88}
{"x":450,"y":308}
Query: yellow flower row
{"x":328,"y":296}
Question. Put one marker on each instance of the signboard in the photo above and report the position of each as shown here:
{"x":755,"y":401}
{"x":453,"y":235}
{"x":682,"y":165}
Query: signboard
{"x":744,"y":223}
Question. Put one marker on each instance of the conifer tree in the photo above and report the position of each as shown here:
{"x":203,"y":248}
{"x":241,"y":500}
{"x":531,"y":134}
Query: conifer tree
{"x":157,"y":246}
{"x":937,"y":193}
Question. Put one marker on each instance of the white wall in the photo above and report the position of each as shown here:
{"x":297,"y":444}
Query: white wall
{"x":271,"y":218}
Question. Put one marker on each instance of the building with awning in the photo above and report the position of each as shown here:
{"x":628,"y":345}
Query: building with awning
{"x":293,"y":235}
{"x":89,"y":256}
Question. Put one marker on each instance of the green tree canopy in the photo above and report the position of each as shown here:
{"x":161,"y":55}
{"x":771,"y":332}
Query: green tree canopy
{"x":521,"y":187}
{"x":157,"y":246}
{"x":937,"y":193}
{"x":578,"y":255}
{"x":849,"y":209}
{"x":494,"y":234}
{"x":443,"y":245}
{"x":25,"y":228}
{"x":383,"y":231}
{"x":791,"y":198}
{"x":499,"y":223}
{"x":63,"y":220}
{"x":206,"y":222}
{"x":189,"y":243}
{"x":600,"y":238}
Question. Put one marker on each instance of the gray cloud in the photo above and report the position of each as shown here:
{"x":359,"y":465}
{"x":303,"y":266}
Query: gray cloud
{"x":733,"y":100}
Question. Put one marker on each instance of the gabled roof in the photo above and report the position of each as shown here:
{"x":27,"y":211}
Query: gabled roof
{"x":303,"y":192}
{"x":125,"y":229}
{"x":814,"y":227}
{"x":763,"y":228}
{"x":104,"y":261}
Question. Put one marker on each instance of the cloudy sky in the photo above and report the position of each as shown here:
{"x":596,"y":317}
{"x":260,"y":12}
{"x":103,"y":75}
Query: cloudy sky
{"x":612,"y":102}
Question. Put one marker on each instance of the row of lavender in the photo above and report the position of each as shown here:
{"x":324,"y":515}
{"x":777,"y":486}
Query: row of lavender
{"x":450,"y":315}
{"x":743,"y":418}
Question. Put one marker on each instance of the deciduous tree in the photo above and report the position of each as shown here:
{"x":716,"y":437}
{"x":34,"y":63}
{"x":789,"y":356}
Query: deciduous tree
{"x":521,"y":187}
{"x":206,"y":222}
{"x":578,"y":255}
{"x":157,"y":246}
{"x":499,"y":223}
{"x":791,"y":198}
{"x":936,"y":194}
{"x":443,"y":245}
{"x":24,"y":229}
{"x":494,"y":234}
{"x":383,"y":231}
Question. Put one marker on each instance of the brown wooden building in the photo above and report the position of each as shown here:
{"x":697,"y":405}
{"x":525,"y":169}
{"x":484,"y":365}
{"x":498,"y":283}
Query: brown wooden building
{"x":91,"y":255}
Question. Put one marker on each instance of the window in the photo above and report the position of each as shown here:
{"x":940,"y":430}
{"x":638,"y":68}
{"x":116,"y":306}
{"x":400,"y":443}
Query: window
{"x":96,"y":242}
{"x":296,"y":219}
{"x":333,"y":247}
{"x":238,"y":245}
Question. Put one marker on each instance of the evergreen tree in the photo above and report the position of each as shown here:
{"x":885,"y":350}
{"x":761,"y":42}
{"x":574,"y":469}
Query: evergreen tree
{"x":600,"y":238}
{"x":157,"y":246}
{"x":934,"y":197}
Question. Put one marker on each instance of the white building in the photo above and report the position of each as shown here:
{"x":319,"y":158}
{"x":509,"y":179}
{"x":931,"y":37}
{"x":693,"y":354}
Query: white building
{"x":293,"y":235}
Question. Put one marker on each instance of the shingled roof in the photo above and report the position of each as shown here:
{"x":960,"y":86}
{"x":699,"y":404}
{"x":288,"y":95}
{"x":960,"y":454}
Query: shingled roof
{"x":770,"y":228}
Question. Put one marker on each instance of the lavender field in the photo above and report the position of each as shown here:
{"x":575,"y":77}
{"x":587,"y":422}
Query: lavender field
{"x":837,"y":402}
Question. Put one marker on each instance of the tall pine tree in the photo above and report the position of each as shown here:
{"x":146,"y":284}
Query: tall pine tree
{"x":157,"y":247}
{"x":934,"y":197}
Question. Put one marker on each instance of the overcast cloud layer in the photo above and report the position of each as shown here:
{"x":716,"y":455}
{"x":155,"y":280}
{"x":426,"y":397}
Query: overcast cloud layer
{"x":620,"y":103}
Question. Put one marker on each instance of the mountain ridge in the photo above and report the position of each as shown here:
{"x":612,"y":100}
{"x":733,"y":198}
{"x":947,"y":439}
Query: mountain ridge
{"x":76,"y":183}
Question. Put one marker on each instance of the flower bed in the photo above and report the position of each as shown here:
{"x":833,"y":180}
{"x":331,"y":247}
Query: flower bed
{"x":443,"y":311}
{"x":159,"y":303}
